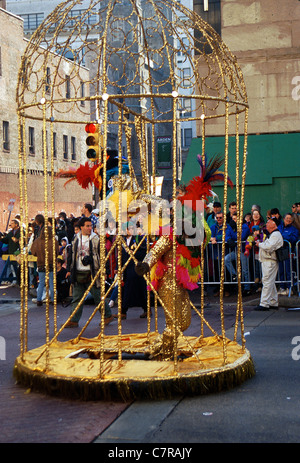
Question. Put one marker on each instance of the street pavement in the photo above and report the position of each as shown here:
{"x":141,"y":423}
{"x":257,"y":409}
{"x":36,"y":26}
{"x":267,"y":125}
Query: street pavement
{"x":264,"y":409}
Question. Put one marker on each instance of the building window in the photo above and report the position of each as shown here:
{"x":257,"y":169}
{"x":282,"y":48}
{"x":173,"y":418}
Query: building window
{"x":68,"y":87}
{"x":65,"y":147}
{"x":32,"y":20}
{"x":82,"y":56}
{"x":212,"y":16}
{"x":186,"y":107}
{"x":73,"y":148}
{"x":82,"y":93}
{"x":90,"y":17}
{"x":120,"y":33}
{"x":185,"y":76}
{"x":6,"y":144}
{"x":22,"y":139}
{"x":183,"y":43}
{"x":31,"y":141}
{"x":186,"y":137}
{"x":25,"y":69}
{"x":54,"y":146}
{"x":48,"y":81}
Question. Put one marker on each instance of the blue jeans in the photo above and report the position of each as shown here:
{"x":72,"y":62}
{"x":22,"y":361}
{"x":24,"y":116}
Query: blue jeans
{"x":228,"y":263}
{"x":285,"y":274}
{"x":78,"y":291}
{"x":245,"y":271}
{"x":114,"y":294}
{"x":41,"y":286}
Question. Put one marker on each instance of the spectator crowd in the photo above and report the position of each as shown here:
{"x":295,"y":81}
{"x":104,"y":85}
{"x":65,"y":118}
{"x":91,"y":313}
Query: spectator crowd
{"x":254,"y":231}
{"x":59,"y":259}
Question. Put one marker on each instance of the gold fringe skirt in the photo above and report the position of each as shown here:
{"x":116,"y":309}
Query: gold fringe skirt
{"x":72,"y":369}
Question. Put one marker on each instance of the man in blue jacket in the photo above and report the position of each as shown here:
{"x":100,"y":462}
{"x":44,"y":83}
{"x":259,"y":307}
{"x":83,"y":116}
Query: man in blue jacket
{"x":291,"y":234}
{"x":231,"y":238}
{"x":216,"y":249}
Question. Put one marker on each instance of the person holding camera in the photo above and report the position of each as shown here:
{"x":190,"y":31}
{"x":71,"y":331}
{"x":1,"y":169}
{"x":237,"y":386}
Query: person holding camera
{"x":82,"y":266}
{"x":269,"y":265}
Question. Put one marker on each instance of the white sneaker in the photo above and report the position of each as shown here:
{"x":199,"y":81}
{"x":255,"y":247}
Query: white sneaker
{"x":111,"y":304}
{"x":285,"y":292}
{"x":34,"y":299}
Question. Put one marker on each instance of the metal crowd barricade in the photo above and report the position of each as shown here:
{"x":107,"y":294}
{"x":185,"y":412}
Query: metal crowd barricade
{"x":213,"y":256}
{"x":250,"y":266}
{"x":285,"y":273}
{"x":297,"y":266}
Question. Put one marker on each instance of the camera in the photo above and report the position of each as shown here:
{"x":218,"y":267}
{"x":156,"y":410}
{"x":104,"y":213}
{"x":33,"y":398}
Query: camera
{"x":86,"y":260}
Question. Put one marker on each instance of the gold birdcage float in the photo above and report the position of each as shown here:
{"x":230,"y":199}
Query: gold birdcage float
{"x":113,"y":63}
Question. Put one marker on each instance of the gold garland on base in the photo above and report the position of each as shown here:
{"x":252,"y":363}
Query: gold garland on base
{"x":66,"y":374}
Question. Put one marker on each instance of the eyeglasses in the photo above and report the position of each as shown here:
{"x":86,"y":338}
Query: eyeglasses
{"x":219,"y":218}
{"x":293,"y":207}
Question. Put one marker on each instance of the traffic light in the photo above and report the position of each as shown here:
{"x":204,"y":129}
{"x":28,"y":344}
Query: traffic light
{"x":92,"y":141}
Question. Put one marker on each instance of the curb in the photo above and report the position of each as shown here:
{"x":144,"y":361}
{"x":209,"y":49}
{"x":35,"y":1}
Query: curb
{"x":10,"y":301}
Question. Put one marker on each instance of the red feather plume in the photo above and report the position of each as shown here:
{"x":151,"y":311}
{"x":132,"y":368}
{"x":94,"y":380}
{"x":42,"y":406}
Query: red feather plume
{"x":200,"y":187}
{"x":84,"y":175}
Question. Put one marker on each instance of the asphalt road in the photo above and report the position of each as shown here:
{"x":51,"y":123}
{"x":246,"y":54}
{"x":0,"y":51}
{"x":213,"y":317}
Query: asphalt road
{"x":264,"y":409}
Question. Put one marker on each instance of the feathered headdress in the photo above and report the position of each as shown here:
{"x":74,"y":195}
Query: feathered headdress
{"x":85,"y":175}
{"x":199,"y":187}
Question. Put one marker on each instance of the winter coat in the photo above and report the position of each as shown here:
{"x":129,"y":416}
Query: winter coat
{"x":267,"y":249}
{"x":289,"y":233}
{"x":94,"y":245}
{"x":38,"y":249}
{"x":12,"y":245}
{"x":217,"y":232}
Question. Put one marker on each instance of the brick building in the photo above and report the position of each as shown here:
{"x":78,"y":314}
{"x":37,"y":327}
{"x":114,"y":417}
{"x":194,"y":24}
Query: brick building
{"x":69,"y":141}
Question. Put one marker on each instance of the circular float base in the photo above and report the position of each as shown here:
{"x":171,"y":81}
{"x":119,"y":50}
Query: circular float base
{"x":72,"y":369}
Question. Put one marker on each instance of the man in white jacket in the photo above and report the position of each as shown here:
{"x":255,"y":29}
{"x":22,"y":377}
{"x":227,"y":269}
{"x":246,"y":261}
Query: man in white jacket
{"x":269,"y":265}
{"x":82,"y":266}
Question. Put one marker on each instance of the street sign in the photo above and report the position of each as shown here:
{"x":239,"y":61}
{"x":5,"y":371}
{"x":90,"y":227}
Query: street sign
{"x":11,"y":204}
{"x":164,"y":152}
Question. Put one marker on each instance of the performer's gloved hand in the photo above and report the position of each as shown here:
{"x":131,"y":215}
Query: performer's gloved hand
{"x":141,"y":268}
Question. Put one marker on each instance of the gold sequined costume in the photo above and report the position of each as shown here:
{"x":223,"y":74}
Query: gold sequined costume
{"x":176,"y":306}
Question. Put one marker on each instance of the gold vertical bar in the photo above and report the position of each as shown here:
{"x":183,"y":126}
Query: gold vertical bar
{"x":53,"y":225}
{"x":175,"y":320}
{"x":223,"y":234}
{"x":202,"y":244}
{"x":242,"y":201}
{"x":21,"y":143}
{"x":45,"y":166}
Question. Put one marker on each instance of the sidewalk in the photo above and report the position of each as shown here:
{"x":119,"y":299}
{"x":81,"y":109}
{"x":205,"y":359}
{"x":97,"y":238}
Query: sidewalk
{"x":268,"y":402}
{"x":264,"y":409}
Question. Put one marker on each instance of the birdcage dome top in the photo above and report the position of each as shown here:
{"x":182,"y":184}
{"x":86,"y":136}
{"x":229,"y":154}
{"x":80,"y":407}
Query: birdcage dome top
{"x":131,"y":49}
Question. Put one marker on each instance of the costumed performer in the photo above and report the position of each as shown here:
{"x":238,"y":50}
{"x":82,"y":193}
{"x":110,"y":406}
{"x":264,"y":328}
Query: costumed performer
{"x":159,"y":261}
